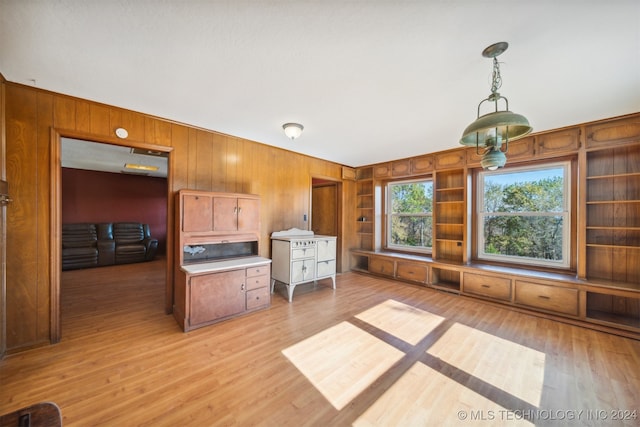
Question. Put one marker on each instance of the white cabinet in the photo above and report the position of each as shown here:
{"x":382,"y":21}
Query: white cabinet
{"x":300,"y":257}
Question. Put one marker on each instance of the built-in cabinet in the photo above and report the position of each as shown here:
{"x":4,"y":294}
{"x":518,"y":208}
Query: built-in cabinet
{"x":218,"y":274}
{"x":450,"y":215}
{"x":365,"y":208}
{"x":604,"y":290}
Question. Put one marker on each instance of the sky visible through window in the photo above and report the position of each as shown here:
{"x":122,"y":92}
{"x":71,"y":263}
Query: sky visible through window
{"x":503,"y":178}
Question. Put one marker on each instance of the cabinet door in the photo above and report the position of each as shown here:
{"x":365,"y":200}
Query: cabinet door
{"x":303,"y":271}
{"x":196,"y":213}
{"x":225,"y":214}
{"x":248,"y":215}
{"x":216,"y":295}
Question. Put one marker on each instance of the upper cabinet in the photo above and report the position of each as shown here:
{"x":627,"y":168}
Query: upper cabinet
{"x":205,"y":212}
{"x":236,"y":214}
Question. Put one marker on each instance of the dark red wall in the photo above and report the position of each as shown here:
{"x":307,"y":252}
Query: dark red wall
{"x":91,"y":196}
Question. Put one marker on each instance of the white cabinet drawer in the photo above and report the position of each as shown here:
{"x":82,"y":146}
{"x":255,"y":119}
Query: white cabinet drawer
{"x":303,"y":253}
{"x":326,"y":268}
{"x":326,"y":249}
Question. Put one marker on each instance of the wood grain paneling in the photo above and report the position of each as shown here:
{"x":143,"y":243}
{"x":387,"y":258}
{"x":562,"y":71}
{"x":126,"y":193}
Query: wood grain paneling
{"x":201,"y":159}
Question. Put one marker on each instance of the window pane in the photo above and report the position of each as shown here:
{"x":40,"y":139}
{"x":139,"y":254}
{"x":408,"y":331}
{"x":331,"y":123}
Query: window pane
{"x":526,"y":191}
{"x":524,"y":236}
{"x":416,"y":197}
{"x":411,"y":231}
{"x":409,"y":214}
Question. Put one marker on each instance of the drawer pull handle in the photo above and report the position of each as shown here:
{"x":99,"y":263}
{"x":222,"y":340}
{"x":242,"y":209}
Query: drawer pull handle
{"x":486,"y":286}
{"x":544,"y":297}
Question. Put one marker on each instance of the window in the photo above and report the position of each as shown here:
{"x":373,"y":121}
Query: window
{"x":524,"y":215}
{"x":409,"y":215}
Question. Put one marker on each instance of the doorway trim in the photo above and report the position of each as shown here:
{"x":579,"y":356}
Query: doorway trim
{"x":55,"y":260}
{"x":339,"y":213}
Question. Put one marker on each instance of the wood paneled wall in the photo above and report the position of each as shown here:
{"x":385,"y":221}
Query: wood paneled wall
{"x":199,"y":159}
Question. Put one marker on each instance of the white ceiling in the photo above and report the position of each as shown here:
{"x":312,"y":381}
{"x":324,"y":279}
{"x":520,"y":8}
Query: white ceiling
{"x":370,"y":80}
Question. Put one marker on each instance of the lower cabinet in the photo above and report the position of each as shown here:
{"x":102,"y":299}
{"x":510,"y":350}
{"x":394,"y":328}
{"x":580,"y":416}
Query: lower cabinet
{"x":547,"y":297}
{"x":212,"y":296}
{"x":382,"y":266}
{"x":487,"y":286}
{"x":413,"y":272}
{"x":216,"y":296}
{"x":609,"y":307}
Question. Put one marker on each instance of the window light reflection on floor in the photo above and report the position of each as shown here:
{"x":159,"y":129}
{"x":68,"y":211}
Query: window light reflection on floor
{"x":342,"y":361}
{"x":506,"y":365}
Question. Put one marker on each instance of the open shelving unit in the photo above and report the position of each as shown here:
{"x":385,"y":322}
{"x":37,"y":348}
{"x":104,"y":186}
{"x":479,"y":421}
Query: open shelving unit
{"x":365,"y":207}
{"x":613,"y":233}
{"x":450,"y":209}
{"x":613,"y":214}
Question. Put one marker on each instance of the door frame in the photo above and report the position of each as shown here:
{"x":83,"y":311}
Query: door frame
{"x":55,"y":259}
{"x":339,"y":210}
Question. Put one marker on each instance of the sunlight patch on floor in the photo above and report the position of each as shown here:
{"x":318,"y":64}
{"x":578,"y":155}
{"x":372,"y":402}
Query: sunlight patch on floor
{"x":511,"y":367}
{"x":408,"y":323}
{"x":425,"y":397}
{"x":342,"y":361}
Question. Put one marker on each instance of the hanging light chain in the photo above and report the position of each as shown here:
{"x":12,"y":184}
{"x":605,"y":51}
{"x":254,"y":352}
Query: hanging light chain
{"x":496,"y":77}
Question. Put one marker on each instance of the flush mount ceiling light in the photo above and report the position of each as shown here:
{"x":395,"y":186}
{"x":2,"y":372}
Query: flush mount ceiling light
{"x":292,"y":130}
{"x":494,"y":129}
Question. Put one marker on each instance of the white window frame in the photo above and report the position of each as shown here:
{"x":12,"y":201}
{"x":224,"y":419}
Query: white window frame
{"x":565,"y":214}
{"x":389,"y":215}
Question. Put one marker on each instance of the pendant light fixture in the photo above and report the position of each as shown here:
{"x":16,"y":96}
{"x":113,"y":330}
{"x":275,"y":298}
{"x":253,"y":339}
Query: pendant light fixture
{"x":492,"y":131}
{"x":292,"y":130}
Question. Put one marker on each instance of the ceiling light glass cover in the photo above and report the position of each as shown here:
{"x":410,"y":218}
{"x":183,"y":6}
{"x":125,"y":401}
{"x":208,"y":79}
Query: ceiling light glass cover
{"x":493,"y":130}
{"x":292,"y":130}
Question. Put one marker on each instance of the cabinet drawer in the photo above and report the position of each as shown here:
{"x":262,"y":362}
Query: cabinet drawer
{"x":326,"y":250}
{"x":413,"y":272}
{"x":303,"y":253}
{"x":258,"y":298}
{"x":381,"y":266}
{"x":489,"y":286}
{"x":258,"y":271}
{"x":561,"y":300}
{"x":255,"y":282}
{"x":326,"y":268}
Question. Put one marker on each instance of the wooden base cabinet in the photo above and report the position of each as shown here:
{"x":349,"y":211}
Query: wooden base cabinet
{"x":210,"y":292}
{"x":608,"y":307}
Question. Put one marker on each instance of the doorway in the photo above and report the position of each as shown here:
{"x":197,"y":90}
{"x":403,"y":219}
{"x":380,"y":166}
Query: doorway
{"x":326,"y":211}
{"x":57,"y":210}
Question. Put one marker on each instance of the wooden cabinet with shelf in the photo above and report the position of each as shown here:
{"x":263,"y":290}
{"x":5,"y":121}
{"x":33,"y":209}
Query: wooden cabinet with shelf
{"x":449,"y":215}
{"x":613,"y":309}
{"x":218,"y":273}
{"x":365,"y":207}
{"x":613,"y":214}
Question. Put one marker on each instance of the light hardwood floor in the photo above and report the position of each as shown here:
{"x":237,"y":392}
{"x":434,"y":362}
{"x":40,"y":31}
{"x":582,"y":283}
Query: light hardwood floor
{"x":372,"y":352}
